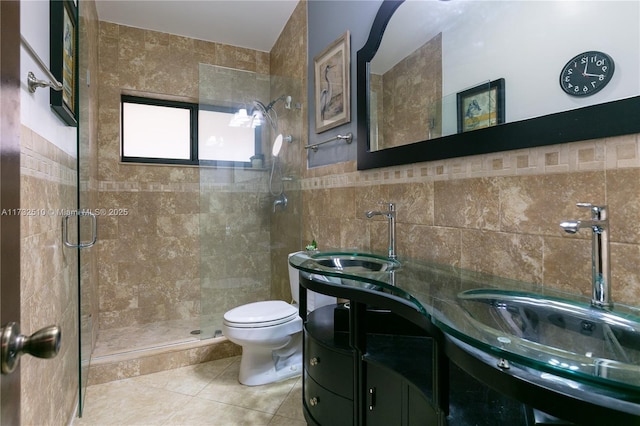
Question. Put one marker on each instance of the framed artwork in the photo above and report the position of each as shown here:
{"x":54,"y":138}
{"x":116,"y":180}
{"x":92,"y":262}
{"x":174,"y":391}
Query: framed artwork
{"x":481,"y":106}
{"x":63,"y":38}
{"x":331,"y":89}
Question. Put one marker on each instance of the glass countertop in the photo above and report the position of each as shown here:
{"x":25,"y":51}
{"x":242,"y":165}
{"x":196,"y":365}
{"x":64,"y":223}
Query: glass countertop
{"x":544,"y":329}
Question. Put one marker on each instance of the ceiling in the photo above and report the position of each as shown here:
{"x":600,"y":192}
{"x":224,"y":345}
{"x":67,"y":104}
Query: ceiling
{"x":253,"y":24}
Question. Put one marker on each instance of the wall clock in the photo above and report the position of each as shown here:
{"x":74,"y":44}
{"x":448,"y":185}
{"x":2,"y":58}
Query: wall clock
{"x":586,"y":73}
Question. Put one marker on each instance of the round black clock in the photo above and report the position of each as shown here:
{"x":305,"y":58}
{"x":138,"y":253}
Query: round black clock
{"x":586,"y":73}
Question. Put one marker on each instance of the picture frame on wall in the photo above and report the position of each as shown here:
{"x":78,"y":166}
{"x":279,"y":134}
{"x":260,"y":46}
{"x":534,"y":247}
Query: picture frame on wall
{"x":331,"y":88}
{"x":63,"y":42}
{"x":481,"y":106}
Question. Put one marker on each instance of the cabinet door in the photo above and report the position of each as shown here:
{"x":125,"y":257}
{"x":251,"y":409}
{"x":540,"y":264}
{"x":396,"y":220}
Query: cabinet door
{"x":420,"y":412}
{"x":392,"y":400}
{"x":384,"y":396}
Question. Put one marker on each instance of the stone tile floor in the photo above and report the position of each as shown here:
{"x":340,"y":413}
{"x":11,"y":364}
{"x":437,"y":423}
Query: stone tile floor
{"x":202,"y":394}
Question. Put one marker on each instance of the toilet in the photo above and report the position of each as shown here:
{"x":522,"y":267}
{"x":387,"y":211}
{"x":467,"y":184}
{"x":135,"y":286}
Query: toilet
{"x":270,"y":334}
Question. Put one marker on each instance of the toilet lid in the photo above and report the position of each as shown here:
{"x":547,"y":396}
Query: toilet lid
{"x":260,"y":314}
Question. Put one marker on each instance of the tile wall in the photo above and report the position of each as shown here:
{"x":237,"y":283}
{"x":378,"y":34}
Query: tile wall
{"x":49,"y":278}
{"x":150,"y":257}
{"x":496,"y":213}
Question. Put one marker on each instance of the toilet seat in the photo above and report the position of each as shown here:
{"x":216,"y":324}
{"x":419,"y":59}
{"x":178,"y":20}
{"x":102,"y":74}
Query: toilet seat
{"x":260,"y":314}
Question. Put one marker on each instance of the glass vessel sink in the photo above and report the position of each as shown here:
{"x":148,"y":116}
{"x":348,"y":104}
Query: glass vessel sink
{"x":559,"y":336}
{"x":354,"y":262}
{"x":366,"y":271}
{"x":605,"y":342}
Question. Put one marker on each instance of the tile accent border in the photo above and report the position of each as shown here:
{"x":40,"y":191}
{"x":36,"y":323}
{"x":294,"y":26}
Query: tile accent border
{"x":41,"y":159}
{"x":593,"y":155}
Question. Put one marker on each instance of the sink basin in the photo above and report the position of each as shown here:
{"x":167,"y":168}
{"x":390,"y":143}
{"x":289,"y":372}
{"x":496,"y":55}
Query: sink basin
{"x":355,"y":270}
{"x":562,"y":325}
{"x":355,"y":262}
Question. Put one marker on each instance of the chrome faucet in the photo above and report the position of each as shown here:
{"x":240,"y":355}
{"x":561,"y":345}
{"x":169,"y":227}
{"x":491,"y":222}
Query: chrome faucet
{"x":391,"y":215}
{"x":280,"y":201}
{"x":600,"y":267}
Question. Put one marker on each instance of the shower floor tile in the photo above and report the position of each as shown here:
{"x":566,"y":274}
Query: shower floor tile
{"x":145,"y":336}
{"x":202,"y":394}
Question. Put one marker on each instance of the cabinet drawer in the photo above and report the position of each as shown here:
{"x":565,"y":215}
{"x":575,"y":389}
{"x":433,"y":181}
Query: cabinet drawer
{"x":326,"y":408}
{"x":329,"y":368}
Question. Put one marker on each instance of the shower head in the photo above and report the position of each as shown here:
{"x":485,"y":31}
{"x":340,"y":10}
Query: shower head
{"x":277,"y":145}
{"x":285,"y":98}
{"x":268,"y":112}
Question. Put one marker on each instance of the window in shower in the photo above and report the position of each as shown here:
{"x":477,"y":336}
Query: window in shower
{"x":222,"y":144}
{"x":160,"y":131}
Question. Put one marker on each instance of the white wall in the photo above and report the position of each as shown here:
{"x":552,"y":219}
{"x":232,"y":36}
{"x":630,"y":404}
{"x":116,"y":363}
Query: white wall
{"x":35,"y":110}
{"x":528,"y":42}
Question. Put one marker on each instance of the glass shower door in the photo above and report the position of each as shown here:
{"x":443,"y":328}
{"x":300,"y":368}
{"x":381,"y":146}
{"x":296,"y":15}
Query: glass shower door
{"x":87,"y":195}
{"x":244,"y":235}
{"x":234,"y":209}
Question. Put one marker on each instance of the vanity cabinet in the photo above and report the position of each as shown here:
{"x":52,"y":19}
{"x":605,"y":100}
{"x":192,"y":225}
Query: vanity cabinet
{"x":372,"y":362}
{"x":372,"y":376}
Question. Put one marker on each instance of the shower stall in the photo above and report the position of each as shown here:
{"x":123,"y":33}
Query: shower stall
{"x":199,"y":240}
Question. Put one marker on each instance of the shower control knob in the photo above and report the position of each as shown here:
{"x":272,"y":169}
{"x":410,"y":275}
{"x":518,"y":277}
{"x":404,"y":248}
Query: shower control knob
{"x":44,"y":343}
{"x":314,"y":361}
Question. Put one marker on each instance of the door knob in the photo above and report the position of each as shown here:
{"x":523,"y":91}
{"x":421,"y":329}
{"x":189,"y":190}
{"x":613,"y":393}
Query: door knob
{"x":44,"y":343}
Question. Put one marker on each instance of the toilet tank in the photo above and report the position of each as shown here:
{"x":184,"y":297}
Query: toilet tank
{"x":294,"y":280}
{"x":314,"y":300}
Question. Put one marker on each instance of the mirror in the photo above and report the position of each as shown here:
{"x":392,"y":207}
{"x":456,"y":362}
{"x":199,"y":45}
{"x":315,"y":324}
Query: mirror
{"x":514,"y":60}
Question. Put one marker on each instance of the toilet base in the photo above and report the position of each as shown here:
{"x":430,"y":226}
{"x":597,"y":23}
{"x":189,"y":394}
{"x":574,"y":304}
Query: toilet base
{"x":260,"y":365}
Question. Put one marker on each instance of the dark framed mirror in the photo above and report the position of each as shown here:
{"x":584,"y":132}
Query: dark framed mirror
{"x":586,"y":117}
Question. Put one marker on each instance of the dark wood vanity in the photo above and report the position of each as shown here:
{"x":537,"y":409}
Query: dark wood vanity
{"x":364,"y":364}
{"x":375,"y":376}
{"x":377,"y":360}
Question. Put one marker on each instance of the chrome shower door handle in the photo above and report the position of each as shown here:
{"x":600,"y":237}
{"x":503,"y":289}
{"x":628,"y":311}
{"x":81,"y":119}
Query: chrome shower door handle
{"x":44,"y":343}
{"x":80,"y":244}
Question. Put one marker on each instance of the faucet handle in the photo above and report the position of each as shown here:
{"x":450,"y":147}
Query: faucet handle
{"x":597,"y":212}
{"x":389,"y":205}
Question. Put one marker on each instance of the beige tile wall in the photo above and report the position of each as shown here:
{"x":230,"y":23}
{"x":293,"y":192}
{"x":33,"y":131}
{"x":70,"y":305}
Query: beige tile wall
{"x":496,"y":213}
{"x":48,"y":279}
{"x":150,"y":258}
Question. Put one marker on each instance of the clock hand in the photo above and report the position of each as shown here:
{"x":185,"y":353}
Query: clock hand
{"x":586,"y":64}
{"x":591,"y":75}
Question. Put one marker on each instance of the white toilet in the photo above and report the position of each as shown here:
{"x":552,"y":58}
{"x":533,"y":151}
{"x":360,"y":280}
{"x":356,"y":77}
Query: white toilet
{"x":270,"y":334}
